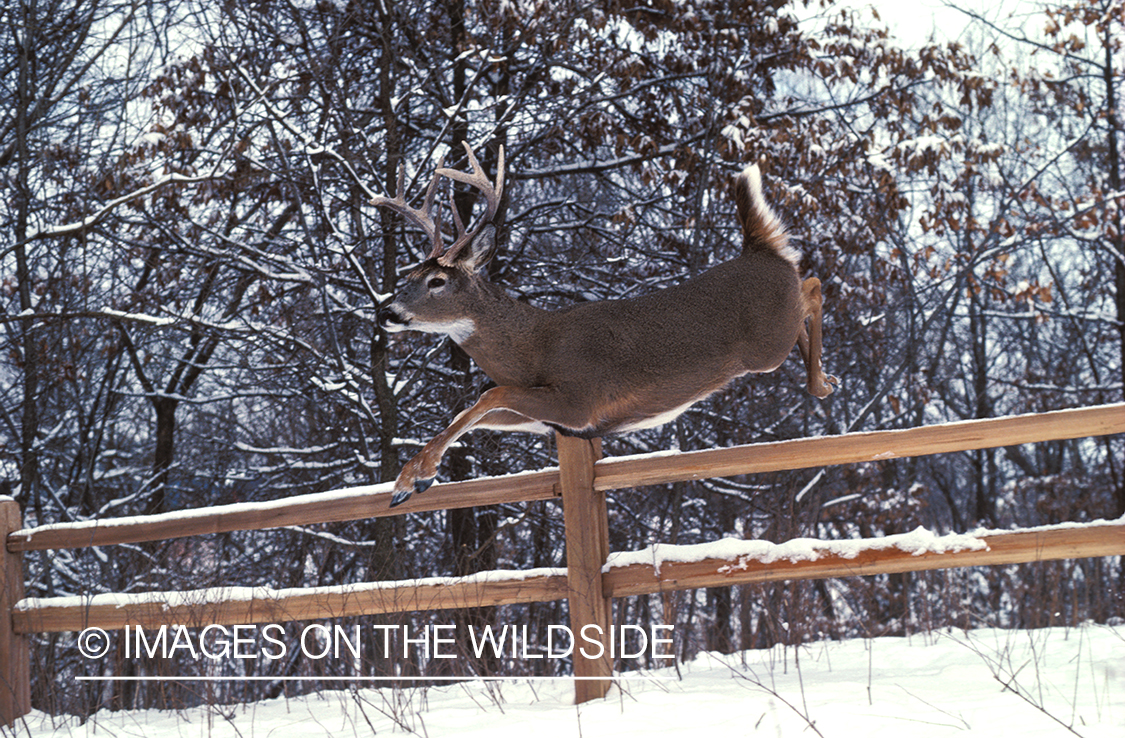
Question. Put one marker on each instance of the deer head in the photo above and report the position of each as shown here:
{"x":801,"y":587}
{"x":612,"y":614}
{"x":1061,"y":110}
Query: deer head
{"x":607,"y":367}
{"x":437,"y":296}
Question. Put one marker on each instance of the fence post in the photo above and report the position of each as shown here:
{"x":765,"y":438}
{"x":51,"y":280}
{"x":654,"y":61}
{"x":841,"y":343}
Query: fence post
{"x":15,"y":659}
{"x":587,"y":546}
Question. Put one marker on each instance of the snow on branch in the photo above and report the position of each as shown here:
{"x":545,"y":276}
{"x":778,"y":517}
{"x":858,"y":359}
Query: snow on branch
{"x":93,"y":219}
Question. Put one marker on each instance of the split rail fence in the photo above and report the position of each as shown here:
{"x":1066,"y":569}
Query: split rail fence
{"x":580,"y":481}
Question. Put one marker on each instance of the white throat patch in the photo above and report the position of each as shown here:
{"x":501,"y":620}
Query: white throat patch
{"x":459,"y":330}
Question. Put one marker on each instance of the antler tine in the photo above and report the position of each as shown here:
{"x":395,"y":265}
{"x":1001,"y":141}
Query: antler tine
{"x":427,"y":204}
{"x":499,"y":178}
{"x":432,"y":189}
{"x":456,"y":220}
{"x":421,"y":217}
{"x":492,"y":194}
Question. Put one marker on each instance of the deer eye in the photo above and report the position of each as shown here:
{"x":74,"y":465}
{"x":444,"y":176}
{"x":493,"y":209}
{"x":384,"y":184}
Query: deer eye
{"x":436,"y":282}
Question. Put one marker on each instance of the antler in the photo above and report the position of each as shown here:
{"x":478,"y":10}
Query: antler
{"x":424,"y":219}
{"x":492,"y":194}
{"x":421,"y":217}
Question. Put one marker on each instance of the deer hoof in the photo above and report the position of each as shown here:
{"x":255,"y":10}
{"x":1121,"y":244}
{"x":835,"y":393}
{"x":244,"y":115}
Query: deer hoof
{"x":402,"y":495}
{"x":824,"y":386}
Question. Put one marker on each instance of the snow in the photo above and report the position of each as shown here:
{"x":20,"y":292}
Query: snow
{"x":206,"y":512}
{"x":138,"y":317}
{"x":742,"y":551}
{"x":987,"y":683}
{"x":217,"y":595}
{"x":362,"y":492}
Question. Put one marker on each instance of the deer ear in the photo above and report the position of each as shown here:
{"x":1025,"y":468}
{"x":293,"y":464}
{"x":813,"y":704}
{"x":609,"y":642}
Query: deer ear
{"x":481,"y":250}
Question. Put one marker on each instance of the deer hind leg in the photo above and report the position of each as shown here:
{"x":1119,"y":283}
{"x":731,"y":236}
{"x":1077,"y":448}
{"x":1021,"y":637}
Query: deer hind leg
{"x":809,"y":340}
{"x":496,"y":408}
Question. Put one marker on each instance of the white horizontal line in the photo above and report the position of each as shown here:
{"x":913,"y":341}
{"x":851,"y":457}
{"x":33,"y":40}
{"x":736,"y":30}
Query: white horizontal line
{"x":639,"y":678}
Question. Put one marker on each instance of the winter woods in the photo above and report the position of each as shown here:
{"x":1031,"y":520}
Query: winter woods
{"x":190,"y":271}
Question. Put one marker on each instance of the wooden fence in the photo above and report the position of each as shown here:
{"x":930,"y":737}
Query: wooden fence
{"x":592,"y":577}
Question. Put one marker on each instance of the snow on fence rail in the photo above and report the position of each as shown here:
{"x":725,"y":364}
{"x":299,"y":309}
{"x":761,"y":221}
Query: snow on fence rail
{"x":593,"y":576}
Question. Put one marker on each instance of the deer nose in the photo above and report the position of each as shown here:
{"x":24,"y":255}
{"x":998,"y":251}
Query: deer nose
{"x":388,"y":317}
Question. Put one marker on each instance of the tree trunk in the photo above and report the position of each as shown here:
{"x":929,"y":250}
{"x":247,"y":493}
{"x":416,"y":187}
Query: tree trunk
{"x":29,"y":423}
{"x":1117,"y":240}
{"x":164,"y":453}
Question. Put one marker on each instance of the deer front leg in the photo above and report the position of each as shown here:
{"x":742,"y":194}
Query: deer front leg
{"x":809,"y":341}
{"x":529,"y":403}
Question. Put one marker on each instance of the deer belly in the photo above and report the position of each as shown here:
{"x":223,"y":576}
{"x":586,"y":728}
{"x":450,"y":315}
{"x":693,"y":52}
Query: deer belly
{"x":654,"y":420}
{"x":659,"y":404}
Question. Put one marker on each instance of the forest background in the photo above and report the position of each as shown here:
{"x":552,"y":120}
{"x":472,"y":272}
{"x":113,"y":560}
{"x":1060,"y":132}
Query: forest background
{"x":190,"y":269}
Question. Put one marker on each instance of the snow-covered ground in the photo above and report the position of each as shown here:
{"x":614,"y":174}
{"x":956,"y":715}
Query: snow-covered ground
{"x":995,"y":683}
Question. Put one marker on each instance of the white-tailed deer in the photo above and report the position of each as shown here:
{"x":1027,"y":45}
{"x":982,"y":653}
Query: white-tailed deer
{"x":600,"y":368}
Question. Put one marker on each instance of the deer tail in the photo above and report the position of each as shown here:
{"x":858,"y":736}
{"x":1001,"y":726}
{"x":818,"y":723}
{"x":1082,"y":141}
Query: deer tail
{"x":761,"y":228}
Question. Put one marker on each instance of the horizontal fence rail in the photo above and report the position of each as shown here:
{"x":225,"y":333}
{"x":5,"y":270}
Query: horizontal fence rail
{"x":830,"y":559}
{"x":661,"y":568}
{"x":253,"y":605}
{"x":851,"y":448}
{"x":612,"y":473}
{"x":356,"y":503}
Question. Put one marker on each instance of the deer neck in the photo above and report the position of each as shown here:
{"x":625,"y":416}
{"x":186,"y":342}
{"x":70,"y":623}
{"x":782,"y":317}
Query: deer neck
{"x":503,"y":335}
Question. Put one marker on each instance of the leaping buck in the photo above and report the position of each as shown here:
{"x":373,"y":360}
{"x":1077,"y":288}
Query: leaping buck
{"x":600,"y":368}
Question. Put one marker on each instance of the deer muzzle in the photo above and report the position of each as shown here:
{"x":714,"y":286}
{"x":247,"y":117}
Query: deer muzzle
{"x":391,"y":320}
